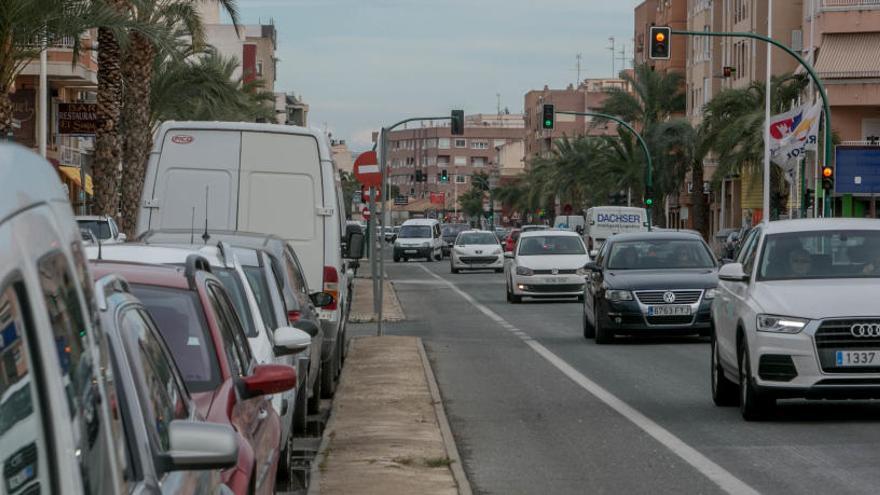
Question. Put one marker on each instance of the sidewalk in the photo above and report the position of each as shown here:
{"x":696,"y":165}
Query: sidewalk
{"x":362,"y":305}
{"x":388,"y":433}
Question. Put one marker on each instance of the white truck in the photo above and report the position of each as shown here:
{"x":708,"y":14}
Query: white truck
{"x":606,"y":221}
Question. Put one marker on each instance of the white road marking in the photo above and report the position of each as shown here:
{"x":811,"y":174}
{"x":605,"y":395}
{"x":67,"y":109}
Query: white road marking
{"x":717,"y":474}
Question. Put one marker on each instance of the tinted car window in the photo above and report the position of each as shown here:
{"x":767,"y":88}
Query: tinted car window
{"x":550,"y":245}
{"x":230,"y":333}
{"x":101,"y":228}
{"x":257,"y":280}
{"x":476,"y":238}
{"x":414,"y":232}
{"x":181,"y":320}
{"x":823,"y":254}
{"x":164,"y":401}
{"x":235,"y":289}
{"x":659,"y":254}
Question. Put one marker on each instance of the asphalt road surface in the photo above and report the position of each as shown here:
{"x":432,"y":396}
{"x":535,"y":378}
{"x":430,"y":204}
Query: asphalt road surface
{"x":535,"y":408}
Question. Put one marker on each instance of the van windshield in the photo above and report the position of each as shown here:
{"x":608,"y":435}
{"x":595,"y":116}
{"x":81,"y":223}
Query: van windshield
{"x":415,"y":232}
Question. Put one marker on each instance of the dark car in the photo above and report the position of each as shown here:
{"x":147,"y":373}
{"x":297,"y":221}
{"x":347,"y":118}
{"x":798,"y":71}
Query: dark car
{"x":650,"y":283}
{"x":448,"y":233}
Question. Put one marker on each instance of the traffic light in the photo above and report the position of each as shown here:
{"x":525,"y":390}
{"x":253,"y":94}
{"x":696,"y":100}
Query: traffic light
{"x":660,"y":42}
{"x":458,"y":122}
{"x":444,"y":175}
{"x":828,"y":178}
{"x":649,"y":197}
{"x":549,"y":117}
{"x":418,"y":175}
{"x":808,"y":198}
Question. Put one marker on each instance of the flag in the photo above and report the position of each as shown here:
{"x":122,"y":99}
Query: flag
{"x":793,"y":133}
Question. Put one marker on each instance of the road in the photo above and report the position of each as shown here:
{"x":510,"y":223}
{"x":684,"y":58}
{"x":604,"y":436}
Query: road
{"x":535,"y":408}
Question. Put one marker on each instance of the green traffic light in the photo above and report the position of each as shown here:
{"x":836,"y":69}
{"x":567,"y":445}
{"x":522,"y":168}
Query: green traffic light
{"x":548,"y":123}
{"x":649,"y":201}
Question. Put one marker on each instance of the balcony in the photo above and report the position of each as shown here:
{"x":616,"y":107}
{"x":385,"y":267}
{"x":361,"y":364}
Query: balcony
{"x":850,"y":4}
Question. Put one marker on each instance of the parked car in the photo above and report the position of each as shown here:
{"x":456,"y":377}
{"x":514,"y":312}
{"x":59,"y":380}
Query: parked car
{"x":449,"y":232}
{"x":511,"y":239}
{"x":199,"y":323}
{"x":103,"y":228}
{"x":796,"y":315}
{"x":294,"y":306}
{"x":419,"y":238}
{"x":476,"y":249}
{"x":267,"y":178}
{"x":650,"y":283}
{"x":170,"y":446}
{"x":546,"y":263}
{"x":530,"y":228}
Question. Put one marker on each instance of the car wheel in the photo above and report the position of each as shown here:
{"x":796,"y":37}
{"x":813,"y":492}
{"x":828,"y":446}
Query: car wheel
{"x":752,"y":405}
{"x":452,"y":269}
{"x":438,"y":256}
{"x":397,"y":259}
{"x":513,"y":298}
{"x":314,"y":402}
{"x":328,"y":379}
{"x":300,"y":409}
{"x":724,"y":391}
{"x":589,"y":330}
{"x":602,"y":335}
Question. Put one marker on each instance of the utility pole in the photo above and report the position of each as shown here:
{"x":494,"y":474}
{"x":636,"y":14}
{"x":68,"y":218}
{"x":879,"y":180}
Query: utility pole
{"x":622,"y":59}
{"x":613,"y":55}
{"x":578,"y":58}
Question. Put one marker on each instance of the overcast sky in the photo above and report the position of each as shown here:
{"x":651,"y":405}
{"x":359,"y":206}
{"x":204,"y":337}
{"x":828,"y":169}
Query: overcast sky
{"x":363,"y":63}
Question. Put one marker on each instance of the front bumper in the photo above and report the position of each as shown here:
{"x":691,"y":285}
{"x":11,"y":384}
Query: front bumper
{"x":630,"y":317}
{"x":548,"y":285}
{"x":477,"y":261}
{"x":412,"y":252}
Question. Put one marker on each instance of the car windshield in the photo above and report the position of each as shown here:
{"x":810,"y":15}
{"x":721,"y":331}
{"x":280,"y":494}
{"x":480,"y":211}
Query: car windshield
{"x":659,"y":254}
{"x":476,"y":238}
{"x":821,"y":254}
{"x":415,"y":232}
{"x":181,"y":320}
{"x":101,"y":228}
{"x":453,"y":229}
{"x":540,"y":245}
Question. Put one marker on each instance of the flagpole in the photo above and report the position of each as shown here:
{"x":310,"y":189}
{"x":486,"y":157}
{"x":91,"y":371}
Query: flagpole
{"x":767,"y":89}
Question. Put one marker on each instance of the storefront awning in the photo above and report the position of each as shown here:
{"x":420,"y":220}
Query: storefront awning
{"x":847,"y":56}
{"x":73,"y":173}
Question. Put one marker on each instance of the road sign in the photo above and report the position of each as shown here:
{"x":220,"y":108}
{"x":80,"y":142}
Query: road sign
{"x":366,"y":169}
{"x":365,"y":213}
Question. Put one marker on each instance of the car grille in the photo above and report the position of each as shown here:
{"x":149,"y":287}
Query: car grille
{"x":681,"y":296}
{"x":670,"y":320}
{"x":548,"y":288}
{"x":834,"y":335}
{"x":478,"y":259}
{"x":558,"y":272}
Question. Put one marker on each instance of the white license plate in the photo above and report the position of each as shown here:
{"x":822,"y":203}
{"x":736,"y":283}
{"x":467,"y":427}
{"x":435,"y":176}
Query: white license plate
{"x":553,"y":280}
{"x":410,"y":251}
{"x":855,"y":359}
{"x":670,"y":310}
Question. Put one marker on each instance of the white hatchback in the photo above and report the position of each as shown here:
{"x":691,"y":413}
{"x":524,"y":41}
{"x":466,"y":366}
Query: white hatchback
{"x":476,"y":250}
{"x":546,"y":263}
{"x":796,"y":315}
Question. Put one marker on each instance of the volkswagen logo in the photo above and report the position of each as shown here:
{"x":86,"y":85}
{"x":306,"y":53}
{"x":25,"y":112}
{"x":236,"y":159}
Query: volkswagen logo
{"x":865,"y":330}
{"x":669,"y":297}
{"x":555,"y":271}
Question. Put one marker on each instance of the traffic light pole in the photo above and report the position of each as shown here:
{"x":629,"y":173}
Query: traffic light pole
{"x":383,"y":159}
{"x":649,"y":170}
{"x":809,"y":68}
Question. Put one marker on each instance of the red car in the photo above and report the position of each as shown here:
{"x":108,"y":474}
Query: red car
{"x":510,"y":240}
{"x":198,"y":322}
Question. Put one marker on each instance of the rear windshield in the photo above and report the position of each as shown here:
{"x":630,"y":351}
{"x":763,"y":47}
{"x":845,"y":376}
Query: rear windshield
{"x":453,"y":229}
{"x":476,"y":238}
{"x":233,"y":286}
{"x":181,"y":320}
{"x":415,"y":232}
{"x":100,"y":228}
{"x":550,"y":245}
{"x":660,"y":254}
{"x":257,"y":280}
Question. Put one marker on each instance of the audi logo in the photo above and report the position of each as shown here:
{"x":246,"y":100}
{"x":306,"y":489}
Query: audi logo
{"x":865,"y":330}
{"x":669,"y":297}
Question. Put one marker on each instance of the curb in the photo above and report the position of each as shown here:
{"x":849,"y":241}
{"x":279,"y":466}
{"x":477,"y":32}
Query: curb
{"x":315,"y":469}
{"x":464,"y":486}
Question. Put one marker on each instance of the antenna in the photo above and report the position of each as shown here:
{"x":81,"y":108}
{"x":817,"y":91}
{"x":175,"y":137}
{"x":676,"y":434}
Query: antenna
{"x":613,"y":54}
{"x":206,"y":235}
{"x":192,"y":227}
{"x":579,"y":57}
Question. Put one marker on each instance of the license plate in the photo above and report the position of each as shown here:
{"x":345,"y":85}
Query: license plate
{"x":410,"y":251}
{"x":553,"y":280}
{"x":670,"y":310}
{"x":846,"y":359}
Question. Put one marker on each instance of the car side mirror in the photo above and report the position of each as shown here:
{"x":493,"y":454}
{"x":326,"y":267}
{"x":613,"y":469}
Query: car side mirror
{"x":594,"y":253}
{"x":354,"y":247}
{"x":508,"y":254}
{"x":291,"y":340}
{"x":321,"y":299}
{"x":733,"y":272}
{"x":122,"y":237}
{"x":268,"y":379}
{"x":197,"y":445}
{"x":308,"y":326}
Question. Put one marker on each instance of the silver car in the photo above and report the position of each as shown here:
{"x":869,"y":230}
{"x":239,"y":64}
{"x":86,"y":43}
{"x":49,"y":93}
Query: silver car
{"x":476,"y":250}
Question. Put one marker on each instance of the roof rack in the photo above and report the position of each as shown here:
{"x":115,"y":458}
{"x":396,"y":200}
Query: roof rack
{"x":107,"y":285}
{"x":195,"y":263}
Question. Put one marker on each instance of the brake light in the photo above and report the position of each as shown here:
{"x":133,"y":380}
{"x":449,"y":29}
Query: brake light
{"x":331,"y":286}
{"x":293,"y":316}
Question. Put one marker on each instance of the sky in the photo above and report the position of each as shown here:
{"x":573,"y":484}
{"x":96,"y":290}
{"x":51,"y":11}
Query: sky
{"x":361,"y":64}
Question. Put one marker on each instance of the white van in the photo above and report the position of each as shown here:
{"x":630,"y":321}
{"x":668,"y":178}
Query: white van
{"x":262,"y":178}
{"x":419,"y":238}
{"x":603,"y":222}
{"x":573,"y":223}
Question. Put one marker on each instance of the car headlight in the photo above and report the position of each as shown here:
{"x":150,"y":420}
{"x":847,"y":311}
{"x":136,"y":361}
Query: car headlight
{"x":710,"y":293}
{"x":426,"y":244}
{"x":521,"y":270}
{"x":780,"y":324}
{"x":618,"y":295}
{"x":497,"y":251}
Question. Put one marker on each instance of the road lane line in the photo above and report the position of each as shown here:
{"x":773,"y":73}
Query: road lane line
{"x":715,"y":473}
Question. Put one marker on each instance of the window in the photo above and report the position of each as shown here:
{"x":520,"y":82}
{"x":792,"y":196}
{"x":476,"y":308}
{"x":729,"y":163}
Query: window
{"x":443,"y":143}
{"x":442,"y":161}
{"x":660,"y":254}
{"x":70,"y":331}
{"x":414,"y":232}
{"x":480,"y":238}
{"x":234,"y":341}
{"x":257,"y":280}
{"x":100,"y":228}
{"x":23,"y":433}
{"x":259,"y":67}
{"x":551,"y":245}
{"x":820,"y":255}
{"x":165,"y":400}
{"x":461,"y":143}
{"x":461,"y":179}
{"x":235,"y":289}
{"x":478,"y":161}
{"x":461,"y":160}
{"x":479,"y":145}
{"x":749,"y":251}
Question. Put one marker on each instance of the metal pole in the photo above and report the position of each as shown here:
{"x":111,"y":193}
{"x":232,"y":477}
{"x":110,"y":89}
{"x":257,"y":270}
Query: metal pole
{"x":383,"y":191}
{"x":767,"y":90}
{"x":42,"y":107}
{"x":371,"y":240}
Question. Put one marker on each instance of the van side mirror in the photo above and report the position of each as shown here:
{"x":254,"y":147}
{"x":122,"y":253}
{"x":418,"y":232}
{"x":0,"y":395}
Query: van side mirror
{"x":197,"y":445}
{"x":354,"y":247}
{"x":321,"y":299}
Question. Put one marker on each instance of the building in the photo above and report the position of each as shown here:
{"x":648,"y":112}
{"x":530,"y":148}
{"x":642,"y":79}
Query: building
{"x":292,"y":110}
{"x":342,"y":155}
{"x":432,"y":151}
{"x":672,"y":13}
{"x":589,"y":95}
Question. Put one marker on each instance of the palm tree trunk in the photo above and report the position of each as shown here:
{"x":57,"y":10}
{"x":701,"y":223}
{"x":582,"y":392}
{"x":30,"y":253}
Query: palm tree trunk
{"x":107,"y":149}
{"x":137,"y":71}
{"x":5,"y":114}
{"x":698,"y":200}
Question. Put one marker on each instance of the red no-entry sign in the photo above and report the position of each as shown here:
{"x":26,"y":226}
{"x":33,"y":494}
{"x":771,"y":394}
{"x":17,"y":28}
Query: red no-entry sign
{"x":366,"y":169}
{"x":365,"y":213}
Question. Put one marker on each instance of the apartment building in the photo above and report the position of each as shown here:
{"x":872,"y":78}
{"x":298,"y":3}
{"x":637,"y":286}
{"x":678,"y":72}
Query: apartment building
{"x":432,"y":150}
{"x":672,"y":13}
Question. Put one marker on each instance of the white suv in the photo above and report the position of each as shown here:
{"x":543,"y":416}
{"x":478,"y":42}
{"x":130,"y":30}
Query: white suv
{"x":796,"y":315}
